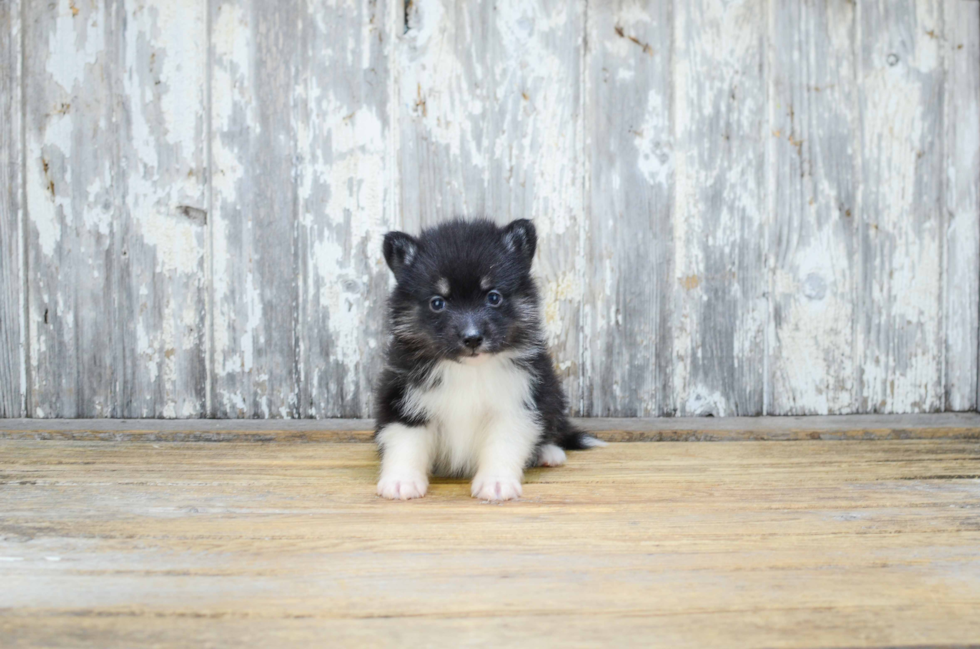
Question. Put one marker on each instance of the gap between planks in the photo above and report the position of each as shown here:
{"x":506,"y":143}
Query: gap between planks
{"x":681,"y":429}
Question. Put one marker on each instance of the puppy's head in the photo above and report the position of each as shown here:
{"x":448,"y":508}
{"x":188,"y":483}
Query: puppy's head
{"x":464,"y":288}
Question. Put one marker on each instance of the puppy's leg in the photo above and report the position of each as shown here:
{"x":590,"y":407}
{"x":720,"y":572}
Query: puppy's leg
{"x":509,"y":445}
{"x":406,"y":457}
{"x":550,"y":455}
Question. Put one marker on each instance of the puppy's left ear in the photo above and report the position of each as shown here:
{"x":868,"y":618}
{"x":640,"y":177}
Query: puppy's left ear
{"x":521,"y":239}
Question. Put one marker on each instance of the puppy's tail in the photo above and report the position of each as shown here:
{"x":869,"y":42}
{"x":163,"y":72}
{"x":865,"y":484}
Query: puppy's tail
{"x":576,"y":439}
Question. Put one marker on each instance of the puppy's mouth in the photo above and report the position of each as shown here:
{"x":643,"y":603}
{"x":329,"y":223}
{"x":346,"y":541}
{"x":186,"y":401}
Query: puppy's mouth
{"x":474,"y":356}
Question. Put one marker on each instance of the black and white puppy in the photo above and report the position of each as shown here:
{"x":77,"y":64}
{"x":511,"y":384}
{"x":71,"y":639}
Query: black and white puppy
{"x":468,"y":387}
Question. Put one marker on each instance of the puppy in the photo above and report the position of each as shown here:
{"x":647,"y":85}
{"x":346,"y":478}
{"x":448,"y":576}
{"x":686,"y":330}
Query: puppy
{"x":468,"y":388}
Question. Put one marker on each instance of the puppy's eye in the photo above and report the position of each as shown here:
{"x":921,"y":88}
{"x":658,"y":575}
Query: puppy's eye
{"x":437,"y":304}
{"x":494,"y":298}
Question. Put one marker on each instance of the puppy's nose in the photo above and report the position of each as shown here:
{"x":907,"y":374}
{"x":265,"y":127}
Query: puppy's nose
{"x":472,"y":340}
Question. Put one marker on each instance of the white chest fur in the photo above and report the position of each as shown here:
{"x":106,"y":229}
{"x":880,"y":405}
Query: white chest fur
{"x":464,"y":403}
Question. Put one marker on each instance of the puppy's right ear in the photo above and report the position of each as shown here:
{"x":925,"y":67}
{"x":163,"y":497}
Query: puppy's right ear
{"x":400,"y":250}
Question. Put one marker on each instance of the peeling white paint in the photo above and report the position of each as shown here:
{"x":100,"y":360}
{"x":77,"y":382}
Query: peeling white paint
{"x":564,"y":289}
{"x":962,"y":237}
{"x":488,"y":113}
{"x":351,"y":172}
{"x":230,"y":39}
{"x":901,"y":370}
{"x":702,"y":402}
{"x":718,"y":111}
{"x":654,"y":156}
{"x":232,"y":99}
{"x":45,"y":209}
{"x":76,"y":44}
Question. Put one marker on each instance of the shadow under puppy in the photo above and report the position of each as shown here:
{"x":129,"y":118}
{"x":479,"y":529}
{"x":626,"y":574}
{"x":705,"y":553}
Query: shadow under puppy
{"x":468,"y":388}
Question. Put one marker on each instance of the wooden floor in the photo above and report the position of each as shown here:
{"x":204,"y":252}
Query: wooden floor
{"x":762,"y":544}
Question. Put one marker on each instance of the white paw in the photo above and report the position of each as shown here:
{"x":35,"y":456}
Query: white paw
{"x":496,"y":488}
{"x":402,"y":487}
{"x":550,"y":455}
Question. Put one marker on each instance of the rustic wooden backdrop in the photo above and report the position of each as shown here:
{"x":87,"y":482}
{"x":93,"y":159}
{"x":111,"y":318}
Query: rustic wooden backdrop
{"x":744,"y":207}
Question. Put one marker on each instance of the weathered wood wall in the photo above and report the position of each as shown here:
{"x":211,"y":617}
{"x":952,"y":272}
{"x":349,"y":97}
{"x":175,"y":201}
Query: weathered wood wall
{"x":744,"y":207}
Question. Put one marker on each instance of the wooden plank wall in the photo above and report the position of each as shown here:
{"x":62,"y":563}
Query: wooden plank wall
{"x":744,"y":207}
{"x":13,"y":381}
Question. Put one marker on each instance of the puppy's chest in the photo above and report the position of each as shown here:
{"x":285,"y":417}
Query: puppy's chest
{"x":466,"y":398}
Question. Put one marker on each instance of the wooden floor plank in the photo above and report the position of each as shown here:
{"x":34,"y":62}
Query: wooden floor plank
{"x":961,"y":425}
{"x":812,"y":543}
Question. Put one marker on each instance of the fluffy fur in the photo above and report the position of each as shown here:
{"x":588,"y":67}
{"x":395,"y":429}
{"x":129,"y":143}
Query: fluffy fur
{"x":468,"y":388}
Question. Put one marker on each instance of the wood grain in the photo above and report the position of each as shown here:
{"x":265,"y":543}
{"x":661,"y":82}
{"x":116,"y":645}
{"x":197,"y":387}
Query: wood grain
{"x":961,"y":52}
{"x":490,"y":121}
{"x":673,"y":429}
{"x":13,"y":273}
{"x":255,"y":232}
{"x":814,"y":179}
{"x":159,"y":231}
{"x":301,"y":204}
{"x":742,"y":209}
{"x":720,"y":283}
{"x":901,"y":207}
{"x":756,"y":544}
{"x":340,"y":100}
{"x":628,"y":338}
{"x":70,"y":199}
{"x":443,"y":100}
{"x":115,"y":195}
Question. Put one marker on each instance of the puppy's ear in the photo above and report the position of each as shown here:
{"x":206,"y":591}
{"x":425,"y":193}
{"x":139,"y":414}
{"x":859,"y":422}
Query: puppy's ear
{"x":521,"y":239}
{"x":400,"y":251}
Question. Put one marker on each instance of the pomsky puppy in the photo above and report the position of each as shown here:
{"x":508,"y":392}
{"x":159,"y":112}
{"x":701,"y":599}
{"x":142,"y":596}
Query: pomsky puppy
{"x":468,"y":388}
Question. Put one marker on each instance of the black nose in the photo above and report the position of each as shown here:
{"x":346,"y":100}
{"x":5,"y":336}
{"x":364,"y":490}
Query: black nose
{"x":473,"y":340}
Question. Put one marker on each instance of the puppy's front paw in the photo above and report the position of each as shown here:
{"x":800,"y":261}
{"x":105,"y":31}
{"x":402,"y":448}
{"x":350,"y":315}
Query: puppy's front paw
{"x":402,"y":487}
{"x":496,"y":488}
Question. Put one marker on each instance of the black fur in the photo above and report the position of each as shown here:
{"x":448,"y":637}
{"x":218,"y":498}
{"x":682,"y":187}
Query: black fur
{"x":464,"y":253}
